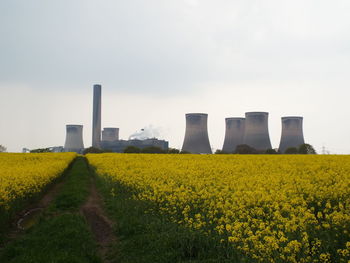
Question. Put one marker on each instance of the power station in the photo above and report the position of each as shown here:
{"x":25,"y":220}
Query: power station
{"x":252,"y":130}
{"x":196,"y":136}
{"x":110,"y":136}
{"x":256,"y":132}
{"x":292,"y":133}
{"x":74,"y":138}
{"x":234,"y":135}
{"x":96,"y":116}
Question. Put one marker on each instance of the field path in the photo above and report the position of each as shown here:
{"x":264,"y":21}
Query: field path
{"x":101,"y":226}
{"x":42,"y":203}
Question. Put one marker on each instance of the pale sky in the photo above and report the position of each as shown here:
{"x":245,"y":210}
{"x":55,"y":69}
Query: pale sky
{"x":159,"y":59}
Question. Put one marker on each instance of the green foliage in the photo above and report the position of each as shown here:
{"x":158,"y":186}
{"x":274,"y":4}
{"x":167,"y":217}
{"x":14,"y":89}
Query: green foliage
{"x":132,"y":149}
{"x":96,"y":150}
{"x":245,"y":149}
{"x":302,"y":149}
{"x":75,"y":189}
{"x":291,"y":150}
{"x":220,"y":152}
{"x":64,"y":238}
{"x":2,"y":149}
{"x":152,"y":149}
{"x":41,"y":150}
{"x":173,"y":151}
{"x":145,"y":235}
{"x":306,"y":149}
{"x":62,"y":234}
{"x":271,"y":151}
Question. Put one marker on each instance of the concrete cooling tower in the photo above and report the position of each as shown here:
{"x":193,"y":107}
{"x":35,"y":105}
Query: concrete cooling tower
{"x":96,"y":117}
{"x":74,"y":139}
{"x":292,"y":133}
{"x":110,"y":134}
{"x":256,"y":132}
{"x":234,"y":134}
{"x":196,"y":135}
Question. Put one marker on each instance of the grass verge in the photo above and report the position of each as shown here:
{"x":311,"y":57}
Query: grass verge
{"x":62,"y":234}
{"x":8,"y":216}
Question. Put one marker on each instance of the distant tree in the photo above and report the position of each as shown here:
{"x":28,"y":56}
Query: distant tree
{"x":173,"y":151}
{"x":306,"y":149}
{"x":271,"y":151}
{"x":218,"y":151}
{"x":152,"y":149}
{"x":245,"y":149}
{"x":96,"y":150}
{"x":291,"y":150}
{"x":132,"y":149}
{"x":184,"y":152}
{"x":41,"y":150}
{"x":2,"y":149}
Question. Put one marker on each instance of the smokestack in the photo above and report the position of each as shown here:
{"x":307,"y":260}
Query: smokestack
{"x":256,"y":133}
{"x":234,"y":134}
{"x":292,"y":133}
{"x":96,"y":117}
{"x":110,"y":134}
{"x":74,"y":138}
{"x":196,"y":135}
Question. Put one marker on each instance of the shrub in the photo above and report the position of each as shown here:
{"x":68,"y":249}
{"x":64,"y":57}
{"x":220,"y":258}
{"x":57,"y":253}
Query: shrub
{"x":291,"y":150}
{"x":132,"y":149}
{"x":245,"y":149}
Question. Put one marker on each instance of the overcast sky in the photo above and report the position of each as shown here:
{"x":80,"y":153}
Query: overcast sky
{"x":159,"y":59}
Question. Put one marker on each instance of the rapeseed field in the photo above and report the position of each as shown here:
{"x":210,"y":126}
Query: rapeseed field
{"x":22,"y":175}
{"x":267,"y":208}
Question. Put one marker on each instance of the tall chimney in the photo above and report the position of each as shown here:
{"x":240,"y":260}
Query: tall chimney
{"x":196,"y":135}
{"x":234,"y":134}
{"x":256,"y":132}
{"x":96,"y":117}
{"x":292,"y":133}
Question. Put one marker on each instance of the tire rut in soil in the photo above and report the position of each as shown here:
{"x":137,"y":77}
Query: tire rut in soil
{"x":41,"y":204}
{"x":100,"y":225}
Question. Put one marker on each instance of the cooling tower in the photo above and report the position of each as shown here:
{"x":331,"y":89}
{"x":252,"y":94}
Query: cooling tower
{"x":110,"y":134}
{"x":256,"y":132}
{"x":292,"y":133}
{"x":196,"y":135}
{"x":74,"y":139}
{"x":96,"y":117}
{"x":234,"y":134}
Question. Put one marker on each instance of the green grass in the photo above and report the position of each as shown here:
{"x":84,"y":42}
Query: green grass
{"x":7,"y":216}
{"x":62,"y":234}
{"x":75,"y":189}
{"x":145,"y":237}
{"x":64,"y":238}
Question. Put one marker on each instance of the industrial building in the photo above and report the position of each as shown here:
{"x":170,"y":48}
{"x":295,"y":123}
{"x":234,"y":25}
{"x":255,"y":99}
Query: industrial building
{"x":96,"y":116}
{"x":251,"y":130}
{"x":256,"y":132}
{"x":119,"y":146}
{"x":292,"y":133}
{"x":110,"y":136}
{"x":74,"y":138}
{"x":234,"y":134}
{"x":196,"y":136}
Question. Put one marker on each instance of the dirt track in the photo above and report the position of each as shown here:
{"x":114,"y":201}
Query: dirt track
{"x":100,"y":225}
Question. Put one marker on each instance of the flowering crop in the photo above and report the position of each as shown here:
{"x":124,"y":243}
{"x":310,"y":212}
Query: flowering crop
{"x":22,"y":175}
{"x":268,"y":208}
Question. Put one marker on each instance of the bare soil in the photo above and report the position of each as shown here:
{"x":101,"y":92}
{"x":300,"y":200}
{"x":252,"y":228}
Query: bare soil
{"x":100,"y":225}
